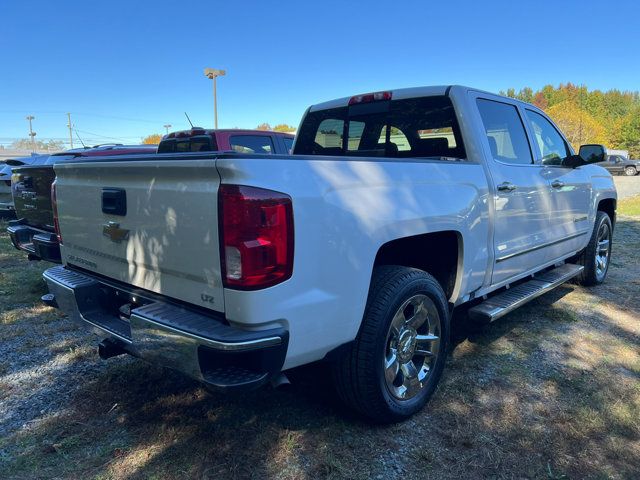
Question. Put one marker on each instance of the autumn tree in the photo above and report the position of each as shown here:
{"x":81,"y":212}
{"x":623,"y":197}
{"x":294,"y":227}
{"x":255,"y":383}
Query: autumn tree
{"x":283,"y":127}
{"x":578,"y":126}
{"x":152,"y":139}
{"x":263,"y":126}
{"x":587,"y":115}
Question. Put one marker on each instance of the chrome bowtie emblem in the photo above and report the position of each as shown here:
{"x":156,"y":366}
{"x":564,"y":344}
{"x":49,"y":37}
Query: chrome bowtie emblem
{"x":114,"y":232}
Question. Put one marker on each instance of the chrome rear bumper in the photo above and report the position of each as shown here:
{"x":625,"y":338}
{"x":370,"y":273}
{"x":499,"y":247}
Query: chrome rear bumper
{"x":200,"y":345}
{"x":39,"y":244}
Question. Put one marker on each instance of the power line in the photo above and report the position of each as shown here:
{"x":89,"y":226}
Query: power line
{"x":102,"y":136}
{"x":84,"y":114}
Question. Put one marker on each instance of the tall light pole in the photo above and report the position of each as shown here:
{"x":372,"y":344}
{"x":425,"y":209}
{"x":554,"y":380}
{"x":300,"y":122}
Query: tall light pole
{"x":70,"y":130}
{"x":32,"y":134}
{"x":167,"y":127}
{"x":212,"y":74}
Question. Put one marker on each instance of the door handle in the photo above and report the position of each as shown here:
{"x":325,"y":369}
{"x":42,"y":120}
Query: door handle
{"x":557,"y":184}
{"x":506,"y":187}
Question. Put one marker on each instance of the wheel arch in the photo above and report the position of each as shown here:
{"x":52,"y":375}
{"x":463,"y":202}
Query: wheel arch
{"x":608,"y":206}
{"x":438,"y":253}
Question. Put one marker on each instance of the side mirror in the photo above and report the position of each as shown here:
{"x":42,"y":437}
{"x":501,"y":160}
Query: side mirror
{"x":593,"y":153}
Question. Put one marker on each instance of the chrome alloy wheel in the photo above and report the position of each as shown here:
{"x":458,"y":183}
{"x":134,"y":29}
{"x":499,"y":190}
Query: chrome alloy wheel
{"x":412,"y":347}
{"x":603,"y":250}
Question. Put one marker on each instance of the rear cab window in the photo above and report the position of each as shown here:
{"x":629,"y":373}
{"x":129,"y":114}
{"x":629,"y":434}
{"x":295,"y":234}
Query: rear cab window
{"x":424,"y":127}
{"x":198,"y":143}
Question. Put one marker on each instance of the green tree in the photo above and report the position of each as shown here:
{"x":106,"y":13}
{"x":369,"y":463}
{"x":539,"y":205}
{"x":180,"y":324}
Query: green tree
{"x":627,"y":133}
{"x":263,"y":126}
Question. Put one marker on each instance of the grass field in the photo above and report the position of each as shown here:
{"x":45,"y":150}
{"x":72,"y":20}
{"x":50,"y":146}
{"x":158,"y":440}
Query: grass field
{"x":550,"y":391}
{"x":630,"y":206}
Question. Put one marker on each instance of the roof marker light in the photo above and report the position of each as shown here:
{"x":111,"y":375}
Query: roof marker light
{"x":370,"y":97}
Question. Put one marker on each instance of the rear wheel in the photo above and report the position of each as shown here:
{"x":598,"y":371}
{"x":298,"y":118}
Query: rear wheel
{"x":597,"y":255}
{"x":630,"y":171}
{"x":397,"y":359}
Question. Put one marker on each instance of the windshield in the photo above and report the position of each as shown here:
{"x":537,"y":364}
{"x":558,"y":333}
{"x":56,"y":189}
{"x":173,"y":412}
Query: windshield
{"x":415,"y":127}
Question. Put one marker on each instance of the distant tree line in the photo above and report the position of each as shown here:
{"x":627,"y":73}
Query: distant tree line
{"x":26,"y":144}
{"x":281,"y":127}
{"x":611,"y":118}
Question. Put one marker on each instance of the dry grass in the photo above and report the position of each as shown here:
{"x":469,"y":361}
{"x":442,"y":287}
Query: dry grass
{"x":629,"y":206}
{"x":550,"y":391}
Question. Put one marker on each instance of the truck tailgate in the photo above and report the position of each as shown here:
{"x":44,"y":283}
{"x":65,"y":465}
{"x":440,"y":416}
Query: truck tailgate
{"x":164,"y":240}
{"x":31,"y":187}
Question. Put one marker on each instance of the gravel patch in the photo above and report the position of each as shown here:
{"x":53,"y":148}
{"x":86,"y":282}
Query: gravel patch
{"x":627,"y":186}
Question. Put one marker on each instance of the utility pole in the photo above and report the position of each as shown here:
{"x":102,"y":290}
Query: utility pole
{"x":32,"y":134}
{"x":167,"y":127}
{"x":212,"y":74}
{"x":70,"y":130}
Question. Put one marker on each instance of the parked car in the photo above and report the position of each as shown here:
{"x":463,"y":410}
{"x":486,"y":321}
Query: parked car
{"x":396,"y":208}
{"x":6,"y":202}
{"x":617,"y":164}
{"x":234,"y":140}
{"x":7,"y":208}
{"x":33,"y":232}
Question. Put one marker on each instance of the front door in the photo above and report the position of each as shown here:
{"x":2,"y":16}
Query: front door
{"x":570,"y":188}
{"x":521,"y":193}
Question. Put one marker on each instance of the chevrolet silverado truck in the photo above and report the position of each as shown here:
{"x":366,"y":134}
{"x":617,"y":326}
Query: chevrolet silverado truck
{"x":7,"y":207}
{"x":396,"y":208}
{"x":33,"y":231}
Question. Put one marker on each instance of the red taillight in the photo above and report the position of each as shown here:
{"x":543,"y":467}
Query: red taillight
{"x":370,"y":97}
{"x":256,"y":237}
{"x":54,"y":206}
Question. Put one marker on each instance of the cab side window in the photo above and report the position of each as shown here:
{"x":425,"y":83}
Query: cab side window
{"x":505,"y":132}
{"x":288,"y":144}
{"x":251,"y":143}
{"x":551,"y":146}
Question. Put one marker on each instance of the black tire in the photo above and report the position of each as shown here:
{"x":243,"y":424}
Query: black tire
{"x":591,"y":275}
{"x":359,"y":374}
{"x":630,"y":171}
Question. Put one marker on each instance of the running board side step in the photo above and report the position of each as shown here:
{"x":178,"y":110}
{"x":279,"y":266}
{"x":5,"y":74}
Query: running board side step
{"x":507,"y":301}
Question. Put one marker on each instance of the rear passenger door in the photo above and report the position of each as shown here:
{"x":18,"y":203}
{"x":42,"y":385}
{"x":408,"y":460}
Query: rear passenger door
{"x":521,"y":197}
{"x":570,"y":188}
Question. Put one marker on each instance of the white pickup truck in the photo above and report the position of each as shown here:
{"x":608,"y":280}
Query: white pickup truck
{"x":396,"y":208}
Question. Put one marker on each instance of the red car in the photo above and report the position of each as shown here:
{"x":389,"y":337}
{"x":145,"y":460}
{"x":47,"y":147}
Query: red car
{"x":243,"y":141}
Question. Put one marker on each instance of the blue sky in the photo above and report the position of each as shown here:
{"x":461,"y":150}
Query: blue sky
{"x":125,"y":68}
